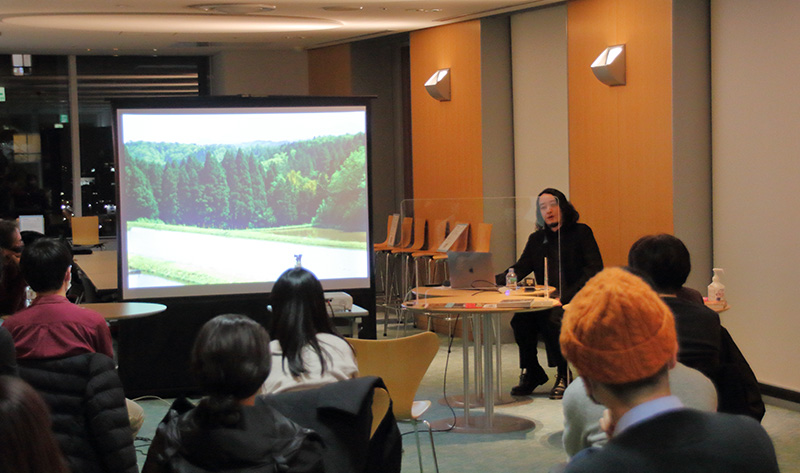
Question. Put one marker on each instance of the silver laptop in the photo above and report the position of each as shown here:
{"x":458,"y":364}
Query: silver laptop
{"x":470,"y":270}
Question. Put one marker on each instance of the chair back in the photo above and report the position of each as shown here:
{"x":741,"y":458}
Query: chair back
{"x":400,"y":362}
{"x":406,"y":232}
{"x":389,"y":226}
{"x":420,"y":234}
{"x":85,"y":230}
{"x":481,"y":238}
{"x":437,"y":231}
{"x":461,"y":243}
{"x":380,"y":407}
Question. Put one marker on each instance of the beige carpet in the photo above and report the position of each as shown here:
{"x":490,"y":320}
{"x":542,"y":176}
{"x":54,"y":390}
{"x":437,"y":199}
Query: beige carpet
{"x":535,"y":450}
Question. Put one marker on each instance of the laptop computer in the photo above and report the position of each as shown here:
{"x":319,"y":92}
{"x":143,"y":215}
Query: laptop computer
{"x":471,"y":270}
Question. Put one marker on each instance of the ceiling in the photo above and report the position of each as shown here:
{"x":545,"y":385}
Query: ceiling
{"x":178,"y":27}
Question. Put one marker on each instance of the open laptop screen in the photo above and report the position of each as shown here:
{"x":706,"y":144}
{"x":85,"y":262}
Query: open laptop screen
{"x":470,"y":270}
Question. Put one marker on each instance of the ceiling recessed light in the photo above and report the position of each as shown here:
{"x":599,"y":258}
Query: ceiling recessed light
{"x":342,"y":8}
{"x":424,"y":10}
{"x":124,"y":24}
{"x":236,"y":8}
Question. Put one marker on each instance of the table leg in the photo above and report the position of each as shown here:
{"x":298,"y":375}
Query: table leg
{"x":486,"y":327}
{"x":465,"y":346}
{"x":477,"y":344}
{"x":499,"y":355}
{"x":488,"y":376}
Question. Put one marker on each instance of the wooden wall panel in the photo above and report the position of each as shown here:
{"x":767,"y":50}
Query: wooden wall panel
{"x":329,"y":71}
{"x":621,"y":137}
{"x":446,"y":145}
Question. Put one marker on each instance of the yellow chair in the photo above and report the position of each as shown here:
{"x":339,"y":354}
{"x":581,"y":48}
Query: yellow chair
{"x":380,"y":407}
{"x":85,"y":231}
{"x":401,"y":363}
{"x":437,"y":231}
{"x":406,"y":227}
{"x":459,"y":245}
{"x":481,"y":238}
{"x":385,"y":244}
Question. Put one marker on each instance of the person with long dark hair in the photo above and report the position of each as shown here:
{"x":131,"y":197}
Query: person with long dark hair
{"x":307,"y":351}
{"x":572,"y":257}
{"x":28,"y":444}
{"x":226,"y":431}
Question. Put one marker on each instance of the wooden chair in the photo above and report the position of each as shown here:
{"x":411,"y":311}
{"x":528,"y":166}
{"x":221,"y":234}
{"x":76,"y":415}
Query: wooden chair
{"x":389,"y":226}
{"x":437,"y":231}
{"x":379,"y":248}
{"x":481,"y":238}
{"x":389,"y":282}
{"x":460,"y":245}
{"x":404,"y":254}
{"x":401,"y":363}
{"x":85,"y":231}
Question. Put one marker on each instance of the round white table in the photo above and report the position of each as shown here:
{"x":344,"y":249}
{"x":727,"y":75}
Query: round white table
{"x":483,"y":308}
{"x":115,"y":311}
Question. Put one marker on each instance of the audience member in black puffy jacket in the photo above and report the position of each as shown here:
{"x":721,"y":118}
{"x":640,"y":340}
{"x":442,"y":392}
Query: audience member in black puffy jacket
{"x":8,"y":355}
{"x":226,"y":432}
{"x":87,"y":402}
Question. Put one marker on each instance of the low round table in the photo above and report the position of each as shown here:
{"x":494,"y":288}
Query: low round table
{"x":114,"y":311}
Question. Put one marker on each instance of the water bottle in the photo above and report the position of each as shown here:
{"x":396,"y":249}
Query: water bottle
{"x":511,"y":279}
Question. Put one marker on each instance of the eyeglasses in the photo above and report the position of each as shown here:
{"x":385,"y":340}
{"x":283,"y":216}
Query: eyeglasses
{"x":547,"y":205}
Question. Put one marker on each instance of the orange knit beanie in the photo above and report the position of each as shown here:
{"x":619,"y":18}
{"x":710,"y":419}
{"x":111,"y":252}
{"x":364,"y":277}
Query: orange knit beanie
{"x":617,"y":330}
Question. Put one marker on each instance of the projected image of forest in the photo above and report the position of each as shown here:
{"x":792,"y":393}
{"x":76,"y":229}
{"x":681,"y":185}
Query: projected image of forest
{"x":204,"y":212}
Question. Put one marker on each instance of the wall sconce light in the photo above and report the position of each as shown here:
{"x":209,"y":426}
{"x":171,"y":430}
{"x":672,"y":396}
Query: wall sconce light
{"x":438,"y":86}
{"x":609,"y":67}
{"x":21,"y":64}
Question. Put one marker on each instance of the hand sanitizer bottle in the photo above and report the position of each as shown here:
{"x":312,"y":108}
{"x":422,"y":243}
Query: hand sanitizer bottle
{"x":511,"y":279}
{"x":716,"y":290}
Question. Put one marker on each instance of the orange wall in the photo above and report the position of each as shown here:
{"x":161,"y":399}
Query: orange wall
{"x":620,"y":138}
{"x":329,"y":71}
{"x":446,"y":136}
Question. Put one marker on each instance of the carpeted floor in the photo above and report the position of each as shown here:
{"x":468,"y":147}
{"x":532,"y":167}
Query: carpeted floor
{"x":534,"y":450}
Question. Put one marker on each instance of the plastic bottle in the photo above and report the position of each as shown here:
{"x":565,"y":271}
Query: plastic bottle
{"x":716,"y":290}
{"x":511,"y":279}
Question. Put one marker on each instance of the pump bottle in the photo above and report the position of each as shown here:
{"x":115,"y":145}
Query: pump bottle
{"x":716,"y":290}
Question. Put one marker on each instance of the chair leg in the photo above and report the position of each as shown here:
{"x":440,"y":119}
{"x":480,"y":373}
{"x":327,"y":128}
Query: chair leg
{"x":419,"y":449}
{"x":433,"y":447}
{"x":387,"y":295}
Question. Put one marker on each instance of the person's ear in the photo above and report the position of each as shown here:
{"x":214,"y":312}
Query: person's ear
{"x":673,"y":361}
{"x":68,"y":276}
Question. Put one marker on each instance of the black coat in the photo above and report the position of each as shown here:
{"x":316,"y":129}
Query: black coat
{"x":90,"y":416}
{"x":683,"y":440}
{"x":579,"y":257}
{"x":342,"y":414}
{"x":698,"y":330}
{"x":262,"y":441}
{"x":8,"y":354}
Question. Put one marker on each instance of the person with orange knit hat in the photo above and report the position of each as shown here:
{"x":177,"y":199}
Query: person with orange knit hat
{"x":620,"y":337}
